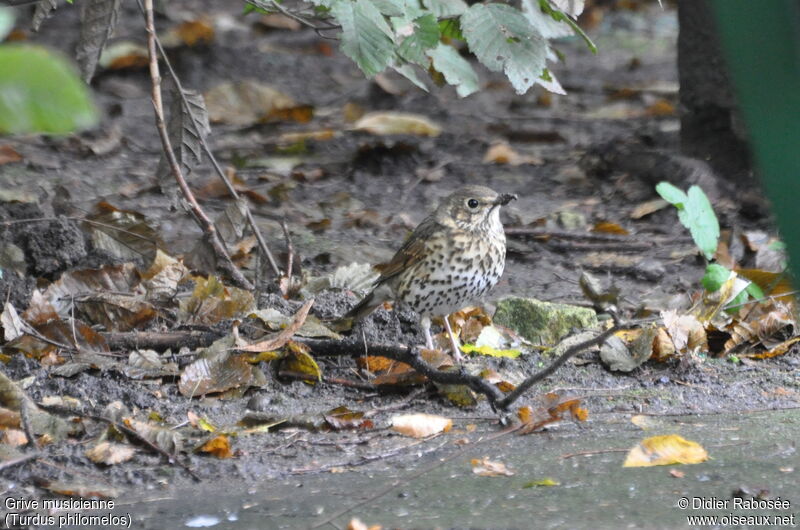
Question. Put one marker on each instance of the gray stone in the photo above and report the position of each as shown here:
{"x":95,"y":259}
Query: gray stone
{"x":542,"y":323}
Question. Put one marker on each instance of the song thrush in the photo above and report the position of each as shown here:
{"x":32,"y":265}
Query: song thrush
{"x":454,"y":257}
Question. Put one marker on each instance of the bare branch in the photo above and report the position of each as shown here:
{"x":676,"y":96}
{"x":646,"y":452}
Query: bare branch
{"x":182,"y":93}
{"x":223,"y":258}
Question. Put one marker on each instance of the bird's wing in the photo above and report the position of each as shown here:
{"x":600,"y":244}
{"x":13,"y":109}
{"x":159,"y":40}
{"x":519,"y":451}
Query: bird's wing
{"x":412,"y":251}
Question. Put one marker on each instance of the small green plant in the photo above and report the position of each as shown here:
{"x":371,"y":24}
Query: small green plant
{"x":696,"y":214}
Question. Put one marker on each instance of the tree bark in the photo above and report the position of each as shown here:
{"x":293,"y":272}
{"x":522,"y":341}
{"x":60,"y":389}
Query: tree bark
{"x":710,"y":127}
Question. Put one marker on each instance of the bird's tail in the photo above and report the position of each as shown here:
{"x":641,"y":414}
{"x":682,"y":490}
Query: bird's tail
{"x":367,"y":305}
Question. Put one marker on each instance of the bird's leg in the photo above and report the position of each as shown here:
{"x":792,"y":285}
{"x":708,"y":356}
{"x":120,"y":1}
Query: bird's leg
{"x":425,"y":322}
{"x":456,"y":351}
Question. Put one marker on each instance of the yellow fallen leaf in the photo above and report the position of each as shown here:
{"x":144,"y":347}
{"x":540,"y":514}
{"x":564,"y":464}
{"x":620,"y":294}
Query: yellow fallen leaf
{"x":421,"y":425}
{"x":664,"y":451}
{"x":540,"y":483}
{"x":218,"y":446}
{"x":488,"y":350}
{"x":780,"y":349}
{"x":300,"y":362}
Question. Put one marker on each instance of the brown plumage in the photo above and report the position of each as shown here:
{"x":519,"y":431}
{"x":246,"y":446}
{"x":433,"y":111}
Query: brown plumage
{"x":454,"y":257}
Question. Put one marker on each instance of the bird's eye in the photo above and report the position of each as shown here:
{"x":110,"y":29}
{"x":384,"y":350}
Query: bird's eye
{"x":472,"y":203}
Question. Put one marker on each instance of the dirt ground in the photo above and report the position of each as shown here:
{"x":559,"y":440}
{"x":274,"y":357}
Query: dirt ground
{"x":368,"y":191}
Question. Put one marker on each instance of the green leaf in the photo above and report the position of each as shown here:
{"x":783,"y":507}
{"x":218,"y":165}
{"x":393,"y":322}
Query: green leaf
{"x":6,"y":22}
{"x":755,"y":291}
{"x":716,"y":275}
{"x":696,"y":214}
{"x":546,"y":25}
{"x":451,"y":28}
{"x":407,"y":71}
{"x":389,"y":7}
{"x":734,"y":305}
{"x":456,"y":70}
{"x":671,"y":194}
{"x":701,"y":221}
{"x":425,"y":36}
{"x":503,"y":40}
{"x":250,"y":8}
{"x":488,"y":350}
{"x":559,"y":16}
{"x":446,"y":8}
{"x":366,"y":37}
{"x":40,"y":92}
{"x":325,"y":4}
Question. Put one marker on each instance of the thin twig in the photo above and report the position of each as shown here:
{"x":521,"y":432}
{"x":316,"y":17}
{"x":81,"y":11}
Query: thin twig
{"x":289,"y":258}
{"x":360,"y":461}
{"x":294,"y":16}
{"x":555,"y":365}
{"x":408,"y":355}
{"x":25,"y":420}
{"x":210,"y":231}
{"x":300,"y":376}
{"x":19,"y":460}
{"x":262,"y":243}
{"x":597,"y":452}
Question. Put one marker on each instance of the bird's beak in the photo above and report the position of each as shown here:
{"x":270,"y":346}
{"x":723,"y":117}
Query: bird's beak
{"x":504,"y":199}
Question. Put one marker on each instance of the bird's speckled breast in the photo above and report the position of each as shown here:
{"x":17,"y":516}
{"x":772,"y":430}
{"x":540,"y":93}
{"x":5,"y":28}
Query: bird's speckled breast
{"x":458,"y":269}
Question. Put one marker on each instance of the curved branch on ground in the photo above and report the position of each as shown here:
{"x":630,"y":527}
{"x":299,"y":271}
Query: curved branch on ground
{"x":397,"y":352}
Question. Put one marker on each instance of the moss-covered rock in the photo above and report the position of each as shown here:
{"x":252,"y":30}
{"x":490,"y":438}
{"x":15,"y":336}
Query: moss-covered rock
{"x":542,"y":323}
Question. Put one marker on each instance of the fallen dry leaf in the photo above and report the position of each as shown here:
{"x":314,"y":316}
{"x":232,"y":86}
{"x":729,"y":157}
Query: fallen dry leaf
{"x":110,"y":453}
{"x":344,"y":418}
{"x":14,"y":438}
{"x":385,"y":123}
{"x":279,"y":21}
{"x":648,"y":207}
{"x":123,"y":55}
{"x":212,"y":302}
{"x":665,"y":451}
{"x":192,"y":32}
{"x":249,"y":102}
{"x":607,"y":227}
{"x":644,"y":422}
{"x":490,"y":468}
{"x":8,"y":154}
{"x":218,"y":446}
{"x":552,"y":407}
{"x":660,"y":108}
{"x":420,"y":425}
{"x":356,"y":524}
{"x":298,"y":361}
{"x":503,"y":153}
{"x":686,"y":331}
{"x":279,"y":339}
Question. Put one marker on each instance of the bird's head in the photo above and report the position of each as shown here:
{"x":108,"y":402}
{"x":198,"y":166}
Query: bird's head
{"x":473,"y":208}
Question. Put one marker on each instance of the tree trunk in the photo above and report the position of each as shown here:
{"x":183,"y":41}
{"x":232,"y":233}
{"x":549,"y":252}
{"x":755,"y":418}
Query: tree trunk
{"x":710,"y":127}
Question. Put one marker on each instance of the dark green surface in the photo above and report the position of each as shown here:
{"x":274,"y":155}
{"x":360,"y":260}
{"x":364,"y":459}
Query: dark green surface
{"x":761,"y":41}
